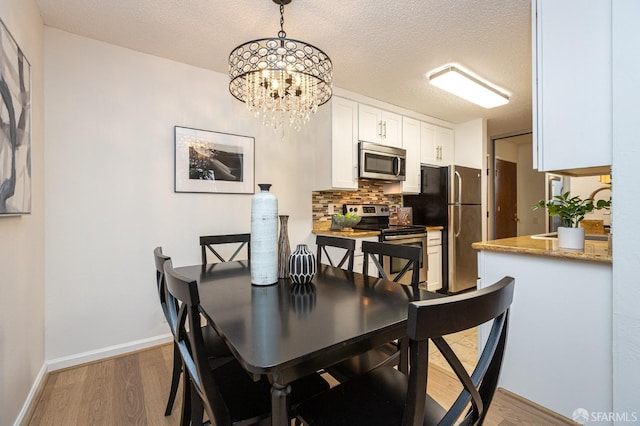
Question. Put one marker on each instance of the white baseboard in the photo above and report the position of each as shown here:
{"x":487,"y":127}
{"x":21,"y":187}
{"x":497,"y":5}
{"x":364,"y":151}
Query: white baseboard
{"x":33,"y":393}
{"x":98,"y":354}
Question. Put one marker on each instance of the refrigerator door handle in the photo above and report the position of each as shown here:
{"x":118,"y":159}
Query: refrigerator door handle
{"x":457,"y":174}
{"x":459,"y":227}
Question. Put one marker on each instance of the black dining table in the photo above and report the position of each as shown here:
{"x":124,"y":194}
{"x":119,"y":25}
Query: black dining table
{"x":286,"y":331}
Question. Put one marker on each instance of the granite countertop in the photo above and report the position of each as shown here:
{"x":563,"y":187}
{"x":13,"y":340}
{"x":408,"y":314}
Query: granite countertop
{"x":321,"y":227}
{"x":594,"y":251}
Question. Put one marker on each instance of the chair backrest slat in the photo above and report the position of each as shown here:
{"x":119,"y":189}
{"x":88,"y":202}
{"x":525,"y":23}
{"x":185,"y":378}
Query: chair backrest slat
{"x":434,"y":318}
{"x":207,"y":242}
{"x":348,"y":244}
{"x":413,"y":255}
{"x":161,"y":284}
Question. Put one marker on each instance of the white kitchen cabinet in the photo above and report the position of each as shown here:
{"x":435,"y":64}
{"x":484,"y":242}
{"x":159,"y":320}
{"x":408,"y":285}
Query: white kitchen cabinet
{"x":434,"y":253}
{"x":436,"y":145}
{"x":379,"y":126}
{"x":411,"y":143}
{"x":336,"y":147}
{"x":572,"y":86}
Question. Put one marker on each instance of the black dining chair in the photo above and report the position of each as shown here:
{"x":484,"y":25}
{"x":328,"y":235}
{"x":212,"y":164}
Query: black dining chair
{"x":412,"y":254}
{"x":392,"y":353}
{"x":214,"y":345}
{"x":207,"y":243}
{"x":227,"y":393}
{"x":385,"y":396}
{"x":347,"y":244}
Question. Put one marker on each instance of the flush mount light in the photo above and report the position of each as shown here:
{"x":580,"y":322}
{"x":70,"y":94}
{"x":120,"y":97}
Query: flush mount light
{"x":280,"y":79}
{"x":454,"y":79}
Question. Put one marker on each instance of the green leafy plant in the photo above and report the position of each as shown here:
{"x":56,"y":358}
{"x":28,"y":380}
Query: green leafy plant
{"x":346,"y":220}
{"x":571,"y":210}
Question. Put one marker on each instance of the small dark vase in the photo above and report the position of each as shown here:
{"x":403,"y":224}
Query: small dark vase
{"x":302,"y":265}
{"x":284,"y":250}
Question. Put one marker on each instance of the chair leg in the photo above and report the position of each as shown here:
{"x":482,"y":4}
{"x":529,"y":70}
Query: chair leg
{"x":175,"y":379}
{"x":185,"y":417}
{"x":197,"y":409}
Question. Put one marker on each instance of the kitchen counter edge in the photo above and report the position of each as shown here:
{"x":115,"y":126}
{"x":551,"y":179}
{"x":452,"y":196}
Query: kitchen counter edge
{"x":323,"y":229}
{"x":594,"y":251}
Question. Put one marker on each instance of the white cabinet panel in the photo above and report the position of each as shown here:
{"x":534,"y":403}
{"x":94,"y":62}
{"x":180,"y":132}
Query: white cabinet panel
{"x":436,"y":145}
{"x":434,"y":253}
{"x":379,"y":126}
{"x":411,"y":143}
{"x":572,"y":114}
{"x":337,"y":154}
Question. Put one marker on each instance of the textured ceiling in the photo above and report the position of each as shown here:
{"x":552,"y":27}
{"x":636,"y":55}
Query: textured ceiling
{"x":380,"y":49}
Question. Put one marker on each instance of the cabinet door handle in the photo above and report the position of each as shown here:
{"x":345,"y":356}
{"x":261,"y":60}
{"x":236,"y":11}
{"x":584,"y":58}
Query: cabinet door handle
{"x":380,"y":129}
{"x":385,"y":130}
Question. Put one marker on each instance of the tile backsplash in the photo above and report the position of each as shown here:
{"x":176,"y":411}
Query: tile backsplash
{"x":369,"y":192}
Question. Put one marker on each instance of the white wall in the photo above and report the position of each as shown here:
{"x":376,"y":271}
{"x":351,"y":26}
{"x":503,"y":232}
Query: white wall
{"x":110,"y":117}
{"x":22,"y":241}
{"x":625,"y":177}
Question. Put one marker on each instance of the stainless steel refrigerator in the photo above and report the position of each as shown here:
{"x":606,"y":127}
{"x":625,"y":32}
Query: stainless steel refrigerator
{"x":451,"y":197}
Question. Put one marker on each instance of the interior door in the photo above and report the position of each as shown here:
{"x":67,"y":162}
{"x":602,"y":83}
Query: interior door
{"x":506,"y":206}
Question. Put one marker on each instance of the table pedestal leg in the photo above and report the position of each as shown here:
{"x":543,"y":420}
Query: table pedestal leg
{"x":280,"y":404}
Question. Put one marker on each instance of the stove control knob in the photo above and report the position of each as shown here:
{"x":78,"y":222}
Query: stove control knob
{"x":355,"y":209}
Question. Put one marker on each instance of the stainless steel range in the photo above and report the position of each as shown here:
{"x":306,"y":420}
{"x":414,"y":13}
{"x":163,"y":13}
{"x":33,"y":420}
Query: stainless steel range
{"x":376,"y":217}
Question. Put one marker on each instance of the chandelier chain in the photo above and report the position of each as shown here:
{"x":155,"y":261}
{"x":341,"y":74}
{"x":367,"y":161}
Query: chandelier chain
{"x":282,"y":33}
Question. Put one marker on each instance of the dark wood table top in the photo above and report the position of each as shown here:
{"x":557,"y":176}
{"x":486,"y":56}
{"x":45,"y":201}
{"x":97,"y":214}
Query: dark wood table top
{"x":287,"y":331}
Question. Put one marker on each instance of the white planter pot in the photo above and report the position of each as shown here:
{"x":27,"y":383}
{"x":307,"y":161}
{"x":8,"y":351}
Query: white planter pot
{"x":571,"y":238}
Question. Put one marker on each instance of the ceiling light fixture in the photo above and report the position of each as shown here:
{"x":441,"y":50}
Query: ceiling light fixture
{"x":454,"y":79}
{"x":280,"y":78}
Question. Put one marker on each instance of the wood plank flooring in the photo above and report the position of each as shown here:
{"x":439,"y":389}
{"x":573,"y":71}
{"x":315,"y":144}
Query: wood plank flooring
{"x":132,"y":390}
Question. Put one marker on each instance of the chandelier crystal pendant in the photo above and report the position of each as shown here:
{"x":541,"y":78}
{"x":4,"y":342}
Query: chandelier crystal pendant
{"x":280,"y":79}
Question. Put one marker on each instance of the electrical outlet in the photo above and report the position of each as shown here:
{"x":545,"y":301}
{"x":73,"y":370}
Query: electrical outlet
{"x":330,"y":208}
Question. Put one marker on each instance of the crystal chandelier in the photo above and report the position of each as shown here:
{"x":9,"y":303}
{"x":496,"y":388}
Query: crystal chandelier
{"x":280,"y":79}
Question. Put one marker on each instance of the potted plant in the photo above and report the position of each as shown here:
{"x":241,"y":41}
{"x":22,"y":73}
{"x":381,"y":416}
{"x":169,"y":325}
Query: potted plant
{"x":571,"y":211}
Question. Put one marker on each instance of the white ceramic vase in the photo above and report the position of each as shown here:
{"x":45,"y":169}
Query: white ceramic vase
{"x":571,"y":238}
{"x":264,"y":237}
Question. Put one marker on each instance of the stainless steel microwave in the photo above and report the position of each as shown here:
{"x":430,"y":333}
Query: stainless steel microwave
{"x":381,"y":162}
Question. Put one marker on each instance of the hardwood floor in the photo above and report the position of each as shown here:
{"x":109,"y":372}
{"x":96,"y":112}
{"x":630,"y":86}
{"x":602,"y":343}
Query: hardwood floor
{"x":132,"y":390}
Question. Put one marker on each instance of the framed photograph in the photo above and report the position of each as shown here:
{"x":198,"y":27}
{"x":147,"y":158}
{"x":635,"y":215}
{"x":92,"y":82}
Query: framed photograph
{"x":15,"y":127}
{"x":214,"y":162}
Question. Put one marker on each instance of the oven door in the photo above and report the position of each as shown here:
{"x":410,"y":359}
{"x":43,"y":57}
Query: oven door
{"x":393,"y":266}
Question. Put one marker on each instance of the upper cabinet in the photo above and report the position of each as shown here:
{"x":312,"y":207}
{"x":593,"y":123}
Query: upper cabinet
{"x":379,"y":126}
{"x":436,"y":145}
{"x":411,"y":143}
{"x":572,"y":86}
{"x":336,"y":153}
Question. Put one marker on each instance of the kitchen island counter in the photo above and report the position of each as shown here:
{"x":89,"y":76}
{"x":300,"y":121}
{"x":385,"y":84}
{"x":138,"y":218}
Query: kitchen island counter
{"x":558,"y":350}
{"x":594,"y":251}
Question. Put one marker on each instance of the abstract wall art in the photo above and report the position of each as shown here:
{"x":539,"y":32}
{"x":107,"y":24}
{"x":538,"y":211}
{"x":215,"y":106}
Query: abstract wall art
{"x":15,"y":127}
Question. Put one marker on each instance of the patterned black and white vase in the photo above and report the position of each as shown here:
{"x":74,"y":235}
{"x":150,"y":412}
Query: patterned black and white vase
{"x":302,"y":265}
